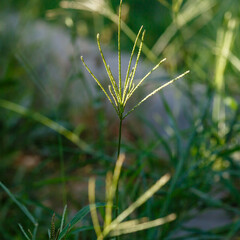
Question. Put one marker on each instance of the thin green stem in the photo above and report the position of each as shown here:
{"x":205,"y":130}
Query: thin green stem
{"x":119,"y":149}
{"x":119,"y":136}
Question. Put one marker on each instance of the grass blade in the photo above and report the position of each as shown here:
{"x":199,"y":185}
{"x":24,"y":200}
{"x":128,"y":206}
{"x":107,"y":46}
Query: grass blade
{"x":142,"y":199}
{"x":63,"y":218}
{"x":20,"y":205}
{"x":45,"y":121}
{"x":23,"y":231}
{"x":78,"y":217}
{"x":142,"y":226}
{"x":93,"y":211}
{"x":112,"y":189}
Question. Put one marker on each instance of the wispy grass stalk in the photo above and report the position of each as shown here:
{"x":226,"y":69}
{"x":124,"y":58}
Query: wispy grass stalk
{"x":119,"y":97}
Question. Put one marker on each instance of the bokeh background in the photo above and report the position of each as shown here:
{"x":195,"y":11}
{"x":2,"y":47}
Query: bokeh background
{"x":190,"y":129}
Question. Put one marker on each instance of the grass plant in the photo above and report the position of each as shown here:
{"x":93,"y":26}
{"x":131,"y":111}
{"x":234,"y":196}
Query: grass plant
{"x":203,"y":160}
{"x":116,"y":226}
{"x":119,"y":93}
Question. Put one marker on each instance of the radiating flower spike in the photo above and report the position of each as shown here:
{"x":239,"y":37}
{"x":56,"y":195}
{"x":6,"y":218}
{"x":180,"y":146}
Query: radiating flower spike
{"x":118,"y":97}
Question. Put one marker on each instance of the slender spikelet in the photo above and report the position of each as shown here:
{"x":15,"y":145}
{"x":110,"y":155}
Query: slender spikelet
{"x":114,"y":84}
{"x":52,"y":231}
{"x":149,"y":73}
{"x":99,"y":84}
{"x":119,"y":50}
{"x":138,"y":56}
{"x":132,"y":90}
{"x":155,"y":91}
{"x":107,"y":67}
{"x":111,"y":92}
{"x":129,"y":65}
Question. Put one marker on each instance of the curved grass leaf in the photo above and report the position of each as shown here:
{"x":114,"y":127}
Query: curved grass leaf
{"x":24,"y":232}
{"x":78,"y":217}
{"x":20,"y":205}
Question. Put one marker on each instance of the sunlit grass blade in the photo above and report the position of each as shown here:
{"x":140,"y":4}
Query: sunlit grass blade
{"x":176,"y":5}
{"x":133,"y":227}
{"x":224,"y":42}
{"x":112,"y":189}
{"x":71,"y":136}
{"x":108,"y":197}
{"x":133,"y":222}
{"x":142,"y":199}
{"x":45,"y":121}
{"x":165,"y":3}
{"x":155,"y":91}
{"x":188,"y":12}
{"x":93,"y":211}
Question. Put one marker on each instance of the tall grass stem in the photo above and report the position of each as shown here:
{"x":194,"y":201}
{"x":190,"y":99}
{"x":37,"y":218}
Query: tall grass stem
{"x":119,"y":149}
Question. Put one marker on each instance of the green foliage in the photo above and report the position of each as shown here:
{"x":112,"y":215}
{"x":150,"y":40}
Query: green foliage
{"x":62,"y":232}
{"x":200,"y":150}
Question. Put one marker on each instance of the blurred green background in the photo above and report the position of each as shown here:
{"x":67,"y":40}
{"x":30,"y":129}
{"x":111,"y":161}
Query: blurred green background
{"x":194,"y":137}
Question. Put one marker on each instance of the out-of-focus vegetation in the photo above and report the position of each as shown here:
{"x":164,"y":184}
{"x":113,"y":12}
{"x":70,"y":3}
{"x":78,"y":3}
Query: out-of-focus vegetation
{"x":49,"y":147}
